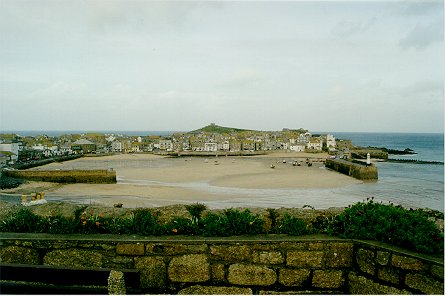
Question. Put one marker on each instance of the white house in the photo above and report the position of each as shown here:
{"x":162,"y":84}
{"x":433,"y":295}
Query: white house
{"x":297,"y":148}
{"x":13,"y":148}
{"x":315,"y":144}
{"x":111,"y":138}
{"x":211,"y":147}
{"x":166,"y":145}
{"x":3,"y":159}
{"x":330,"y":141}
{"x":66,"y":148}
{"x":39,"y":147}
{"x":226,"y":146}
{"x":116,"y":146}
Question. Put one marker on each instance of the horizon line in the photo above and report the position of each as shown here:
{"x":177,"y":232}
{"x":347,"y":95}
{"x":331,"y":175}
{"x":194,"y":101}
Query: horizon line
{"x":174,"y":131}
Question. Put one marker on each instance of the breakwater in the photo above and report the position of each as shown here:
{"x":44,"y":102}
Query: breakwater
{"x":209,"y":153}
{"x":65,"y":176}
{"x":272,"y":264}
{"x":36,"y":163}
{"x":353,"y":169}
{"x":416,"y":161}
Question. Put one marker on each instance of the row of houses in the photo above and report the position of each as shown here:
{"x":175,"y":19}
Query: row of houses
{"x":206,"y":142}
{"x":214,"y":143}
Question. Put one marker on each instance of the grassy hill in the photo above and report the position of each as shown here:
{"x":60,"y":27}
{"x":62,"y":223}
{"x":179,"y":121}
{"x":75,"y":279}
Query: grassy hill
{"x":213,"y":128}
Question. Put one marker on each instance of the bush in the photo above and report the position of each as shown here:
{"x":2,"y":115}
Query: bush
{"x":243,"y":222}
{"x":119,"y":225}
{"x":181,"y":225}
{"x":146,"y":223}
{"x":410,"y":229}
{"x":233,"y":222}
{"x":59,"y":225}
{"x":293,"y":226}
{"x":214,"y":225}
{"x":388,"y":223}
{"x":9,"y":182}
{"x":23,"y":221}
{"x":196,"y":211}
{"x":91,"y":224}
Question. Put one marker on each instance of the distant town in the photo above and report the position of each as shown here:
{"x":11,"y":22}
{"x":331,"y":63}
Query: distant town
{"x":211,"y":139}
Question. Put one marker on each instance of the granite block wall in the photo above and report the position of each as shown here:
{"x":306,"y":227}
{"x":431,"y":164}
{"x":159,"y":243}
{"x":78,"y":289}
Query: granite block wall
{"x":241,"y":265}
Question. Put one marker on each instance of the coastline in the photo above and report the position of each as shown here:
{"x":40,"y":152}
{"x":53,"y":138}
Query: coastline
{"x":153,"y":180}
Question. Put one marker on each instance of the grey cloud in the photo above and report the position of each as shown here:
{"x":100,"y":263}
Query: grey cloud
{"x":418,"y":8}
{"x":421,"y":36}
{"x":346,"y":29}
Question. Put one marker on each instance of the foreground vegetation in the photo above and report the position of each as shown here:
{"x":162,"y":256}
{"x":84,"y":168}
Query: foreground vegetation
{"x":411,"y":229}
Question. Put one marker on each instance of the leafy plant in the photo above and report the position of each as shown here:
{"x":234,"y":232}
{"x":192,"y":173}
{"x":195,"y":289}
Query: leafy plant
{"x":120,"y":225}
{"x":146,"y":223}
{"x":232,"y":222}
{"x":9,"y":182}
{"x":388,"y":223}
{"x":243,"y":222}
{"x":60,"y":225}
{"x":90,"y":223}
{"x":293,"y":226}
{"x":181,"y":225}
{"x":196,"y":211}
{"x":23,"y":221}
{"x":273,"y":216}
{"x":214,"y":225}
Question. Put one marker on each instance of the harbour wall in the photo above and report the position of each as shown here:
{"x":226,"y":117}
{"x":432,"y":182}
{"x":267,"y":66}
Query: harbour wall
{"x":65,"y":176}
{"x":356,"y":170}
{"x":267,"y":264}
{"x":36,"y":163}
{"x":210,"y":153}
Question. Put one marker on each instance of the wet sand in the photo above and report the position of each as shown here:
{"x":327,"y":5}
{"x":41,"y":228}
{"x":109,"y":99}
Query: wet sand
{"x":151,"y":180}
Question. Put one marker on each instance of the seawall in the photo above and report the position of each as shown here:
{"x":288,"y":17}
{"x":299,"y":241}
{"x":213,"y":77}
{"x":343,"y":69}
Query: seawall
{"x":267,"y":264}
{"x":36,"y":163}
{"x":356,"y":170}
{"x":65,"y":176}
{"x":216,"y":153}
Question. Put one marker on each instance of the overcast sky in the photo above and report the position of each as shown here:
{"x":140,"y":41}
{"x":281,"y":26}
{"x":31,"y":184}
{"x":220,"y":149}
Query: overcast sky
{"x":375,"y":66}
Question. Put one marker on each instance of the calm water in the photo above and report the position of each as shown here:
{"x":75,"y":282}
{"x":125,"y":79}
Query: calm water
{"x":408,"y":184}
{"x":413,"y":185}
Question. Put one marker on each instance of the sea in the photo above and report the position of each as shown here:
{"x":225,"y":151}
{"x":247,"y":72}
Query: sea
{"x":408,"y":184}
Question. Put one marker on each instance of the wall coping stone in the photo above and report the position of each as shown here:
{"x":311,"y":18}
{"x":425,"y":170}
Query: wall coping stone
{"x":245,"y":239}
{"x":439,"y":259}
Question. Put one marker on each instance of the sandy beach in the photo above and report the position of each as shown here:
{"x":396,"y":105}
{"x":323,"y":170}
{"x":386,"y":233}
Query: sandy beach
{"x":152,"y":180}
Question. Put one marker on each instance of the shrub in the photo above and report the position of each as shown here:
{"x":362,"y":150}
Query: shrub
{"x":242,"y":222}
{"x":146,"y":223}
{"x":214,"y":225}
{"x":388,"y":223}
{"x":90,"y":224}
{"x":120,"y":225}
{"x":232,"y":222}
{"x":181,"y":225}
{"x":293,"y":226}
{"x":9,"y":182}
{"x":23,"y":221}
{"x":196,"y":211}
{"x":59,"y":225}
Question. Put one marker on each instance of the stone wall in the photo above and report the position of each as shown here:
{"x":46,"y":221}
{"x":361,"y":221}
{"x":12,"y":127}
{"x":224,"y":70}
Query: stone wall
{"x":358,"y":171}
{"x":65,"y":176}
{"x":269,"y":264}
